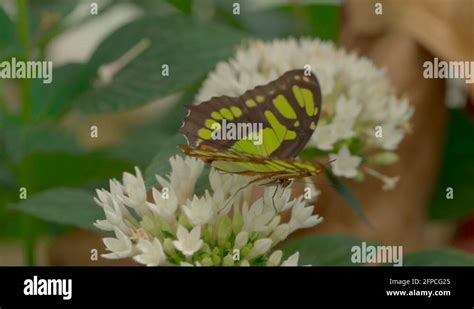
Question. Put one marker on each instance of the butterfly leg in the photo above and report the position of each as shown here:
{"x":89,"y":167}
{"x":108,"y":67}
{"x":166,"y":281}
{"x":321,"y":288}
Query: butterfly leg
{"x":239,"y":190}
{"x":273,"y":198}
{"x":231,"y":198}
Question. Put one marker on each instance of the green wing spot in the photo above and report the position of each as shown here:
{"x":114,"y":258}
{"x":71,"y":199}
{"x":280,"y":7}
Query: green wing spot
{"x":290,"y":135}
{"x":250,"y":103}
{"x":297,"y":123}
{"x":270,"y":141}
{"x":316,"y":110}
{"x":260,"y":98}
{"x":309,"y":101}
{"x":211,"y":124}
{"x":278,"y":128}
{"x":298,"y":95}
{"x":226,"y":113}
{"x":205,"y":134}
{"x":216,"y":116}
{"x":236,"y":111}
{"x":284,"y":107}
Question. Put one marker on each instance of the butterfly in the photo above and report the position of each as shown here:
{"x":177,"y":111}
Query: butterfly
{"x":283,"y":115}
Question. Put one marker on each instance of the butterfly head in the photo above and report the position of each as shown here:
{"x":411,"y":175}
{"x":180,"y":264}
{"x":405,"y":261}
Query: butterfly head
{"x":284,"y":182}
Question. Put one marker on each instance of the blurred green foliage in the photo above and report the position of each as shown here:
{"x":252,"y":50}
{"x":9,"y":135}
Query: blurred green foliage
{"x":335,"y":250}
{"x":457,"y":171}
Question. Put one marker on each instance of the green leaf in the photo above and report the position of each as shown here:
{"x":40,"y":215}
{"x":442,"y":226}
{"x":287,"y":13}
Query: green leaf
{"x":7,"y":178}
{"x":51,"y":101}
{"x":184,"y":6}
{"x":46,"y":18}
{"x":9,"y":45}
{"x":171,"y":120}
{"x":282,"y":20}
{"x":22,"y":140}
{"x":43,"y":171}
{"x":457,"y":171}
{"x":160,"y":164}
{"x":439,"y":257}
{"x":346,"y":194}
{"x":324,"y":250}
{"x":311,"y":153}
{"x":64,"y":206}
{"x":266,"y":24}
{"x":190,"y":56}
{"x":323,"y":21}
{"x":141,"y":146}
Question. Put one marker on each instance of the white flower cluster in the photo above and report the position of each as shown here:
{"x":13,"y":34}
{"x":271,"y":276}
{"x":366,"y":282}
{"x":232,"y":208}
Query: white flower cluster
{"x":360,"y":112}
{"x":178,"y":227}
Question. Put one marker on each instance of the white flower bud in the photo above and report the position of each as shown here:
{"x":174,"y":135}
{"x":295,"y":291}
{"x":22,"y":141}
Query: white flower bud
{"x":260,"y":247}
{"x":280,"y":233}
{"x":224,"y":230}
{"x":241,"y":240}
{"x":169,"y":247}
{"x":384,"y":158}
{"x":237,"y":222}
{"x":275,"y":258}
{"x":244,"y":263}
{"x":228,"y":260}
{"x":292,"y":260}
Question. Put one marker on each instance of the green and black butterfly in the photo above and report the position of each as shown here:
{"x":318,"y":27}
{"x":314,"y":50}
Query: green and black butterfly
{"x":288,"y":109}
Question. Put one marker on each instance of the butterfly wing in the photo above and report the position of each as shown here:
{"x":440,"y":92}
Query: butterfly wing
{"x":251,"y":165}
{"x":286,"y":110}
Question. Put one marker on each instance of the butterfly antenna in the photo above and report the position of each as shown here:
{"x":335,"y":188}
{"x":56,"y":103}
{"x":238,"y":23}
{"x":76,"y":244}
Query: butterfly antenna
{"x":273,"y":198}
{"x":236,"y":192}
{"x":232,"y":197}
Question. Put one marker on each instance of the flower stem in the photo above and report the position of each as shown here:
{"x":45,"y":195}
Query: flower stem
{"x":23,"y":35}
{"x":22,"y":24}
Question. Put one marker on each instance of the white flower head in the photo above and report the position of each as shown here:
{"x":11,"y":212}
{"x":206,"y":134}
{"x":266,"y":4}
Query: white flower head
{"x":199,"y":211}
{"x":256,"y":217}
{"x":120,"y":247}
{"x":391,"y":137}
{"x":151,"y":252}
{"x":201,"y":230}
{"x":324,"y":137}
{"x":113,"y":217}
{"x":184,"y":174}
{"x":134,"y":187}
{"x":302,"y":216}
{"x":344,"y":164}
{"x":165,"y":203}
{"x":188,"y":242}
{"x":292,"y":260}
{"x":260,"y":247}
